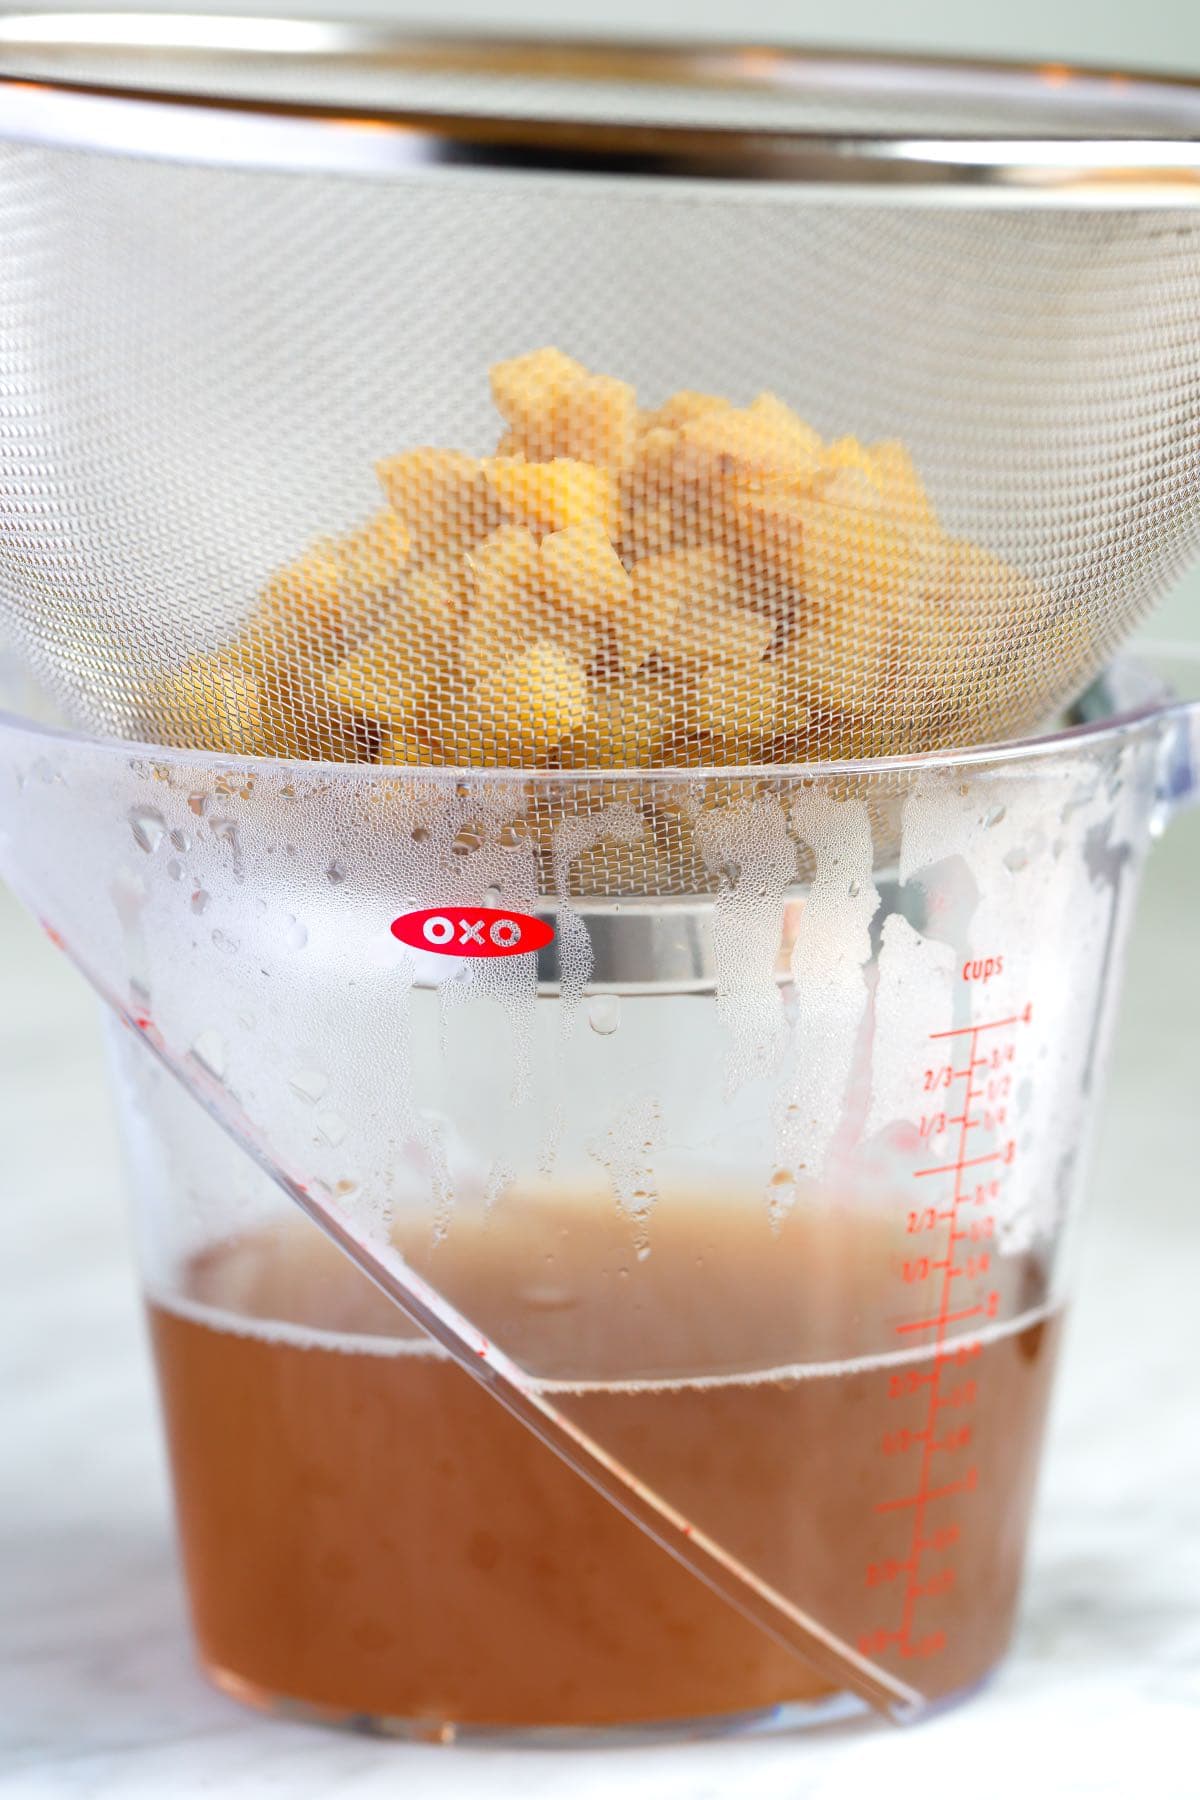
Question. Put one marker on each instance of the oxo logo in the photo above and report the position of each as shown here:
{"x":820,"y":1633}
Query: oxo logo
{"x":471,"y":931}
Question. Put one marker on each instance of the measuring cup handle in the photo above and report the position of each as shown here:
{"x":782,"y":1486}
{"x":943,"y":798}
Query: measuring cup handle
{"x":1178,"y":784}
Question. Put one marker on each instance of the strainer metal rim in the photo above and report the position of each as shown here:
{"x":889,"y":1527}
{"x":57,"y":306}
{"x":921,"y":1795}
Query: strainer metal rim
{"x":115,"y":113}
{"x":1152,"y":701}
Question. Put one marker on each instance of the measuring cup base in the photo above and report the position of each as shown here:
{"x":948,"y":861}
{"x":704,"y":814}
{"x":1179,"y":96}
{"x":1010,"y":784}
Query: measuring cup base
{"x":835,"y":1710}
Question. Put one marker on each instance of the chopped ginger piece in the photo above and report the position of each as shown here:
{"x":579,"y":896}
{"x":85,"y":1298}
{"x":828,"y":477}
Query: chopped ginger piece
{"x":527,"y":389}
{"x":511,"y":609}
{"x":739,"y":710}
{"x":317,"y":602}
{"x":687,"y":604}
{"x":596,"y":420}
{"x":211,"y":703}
{"x":582,"y":573}
{"x":764,"y":438}
{"x":523,"y":710}
{"x":547,"y":496}
{"x":682,"y":408}
{"x":626,"y":727}
{"x":442,"y":499}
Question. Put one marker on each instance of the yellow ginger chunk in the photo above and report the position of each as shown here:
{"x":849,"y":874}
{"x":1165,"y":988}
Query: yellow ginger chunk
{"x":736,"y":706}
{"x":596,"y":420}
{"x":510,"y":607}
{"x":399,"y":678}
{"x":555,"y":408}
{"x":211,"y":703}
{"x":522,"y":711}
{"x":627,"y":726}
{"x":584,"y":579}
{"x":527,"y":389}
{"x":682,"y":408}
{"x":688,"y":603}
{"x":547,"y":496}
{"x":764,"y":438}
{"x":398,"y":749}
{"x":316,"y":603}
{"x":442,"y":499}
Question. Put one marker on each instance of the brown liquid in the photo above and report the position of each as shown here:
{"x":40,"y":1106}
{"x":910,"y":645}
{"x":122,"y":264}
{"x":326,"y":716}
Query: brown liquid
{"x":372,"y":1534}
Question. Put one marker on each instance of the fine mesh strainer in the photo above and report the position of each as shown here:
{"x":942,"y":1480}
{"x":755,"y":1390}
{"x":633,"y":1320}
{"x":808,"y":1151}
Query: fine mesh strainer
{"x":383,"y":400}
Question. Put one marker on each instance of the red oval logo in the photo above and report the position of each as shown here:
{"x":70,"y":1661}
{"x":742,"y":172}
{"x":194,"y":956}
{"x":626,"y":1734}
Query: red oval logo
{"x":472,"y":931}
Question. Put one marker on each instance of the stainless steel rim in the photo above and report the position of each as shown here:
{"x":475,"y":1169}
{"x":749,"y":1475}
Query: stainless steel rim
{"x":112,"y":111}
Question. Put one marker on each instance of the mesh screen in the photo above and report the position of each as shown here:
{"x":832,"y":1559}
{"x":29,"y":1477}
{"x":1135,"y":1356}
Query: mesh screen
{"x":486,"y":469}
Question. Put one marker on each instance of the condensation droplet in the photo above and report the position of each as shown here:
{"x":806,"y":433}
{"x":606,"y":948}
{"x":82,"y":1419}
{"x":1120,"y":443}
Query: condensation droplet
{"x":223,"y":941}
{"x":604,"y":1013}
{"x":335,"y":872}
{"x":1016,"y":860}
{"x":642,"y":1252}
{"x":260,"y":905}
{"x":491,"y":896}
{"x":247,"y":1021}
{"x":310,"y":1084}
{"x":175,"y":869}
{"x":197,"y":804}
{"x":181,"y":841}
{"x":995,"y":815}
{"x":332,"y":1127}
{"x":419,"y":834}
{"x":148,"y":828}
{"x":297,"y":935}
{"x":345,"y":1190}
{"x":855,"y":889}
{"x":209,"y":1048}
{"x":199,"y":900}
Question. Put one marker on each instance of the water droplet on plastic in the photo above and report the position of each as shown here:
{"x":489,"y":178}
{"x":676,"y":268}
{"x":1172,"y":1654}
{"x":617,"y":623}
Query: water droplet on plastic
{"x":467,"y":842}
{"x":260,"y":905}
{"x":197,"y":804}
{"x":226,"y":830}
{"x":297,"y":935}
{"x":995,"y":815}
{"x":175,"y":869}
{"x":332,"y":1127}
{"x":643,"y":1251}
{"x":345,"y":1190}
{"x":781,"y":1178}
{"x":199,"y":900}
{"x":209,"y":1049}
{"x":335,"y":872}
{"x":310,"y":1084}
{"x":491,"y":896}
{"x":623,"y":1274}
{"x":223,"y":941}
{"x":148,"y":828}
{"x":855,"y":889}
{"x":604,"y":1013}
{"x":419,"y":834}
{"x":181,"y":841}
{"x":247,"y":1021}
{"x":1016,"y":860}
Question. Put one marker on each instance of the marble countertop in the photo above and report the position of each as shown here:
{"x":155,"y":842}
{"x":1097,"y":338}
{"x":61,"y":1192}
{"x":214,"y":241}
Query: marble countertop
{"x":98,"y":1693}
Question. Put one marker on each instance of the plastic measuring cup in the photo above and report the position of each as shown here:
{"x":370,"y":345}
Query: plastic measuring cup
{"x":754,"y":1202}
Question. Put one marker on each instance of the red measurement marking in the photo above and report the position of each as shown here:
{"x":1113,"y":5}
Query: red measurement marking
{"x":962,"y":1395}
{"x":956,"y":1168}
{"x":941,"y":1319}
